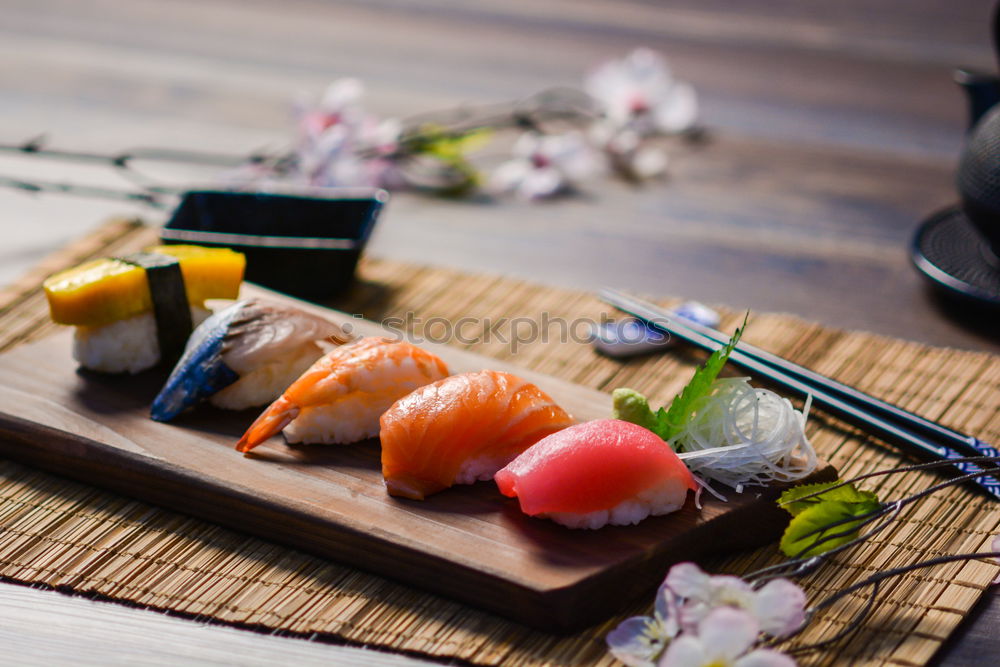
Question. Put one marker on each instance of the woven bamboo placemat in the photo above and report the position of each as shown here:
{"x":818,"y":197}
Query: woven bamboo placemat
{"x":62,"y":534}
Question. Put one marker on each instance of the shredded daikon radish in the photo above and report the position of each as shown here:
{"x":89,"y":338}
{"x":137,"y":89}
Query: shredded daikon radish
{"x":743,"y":435}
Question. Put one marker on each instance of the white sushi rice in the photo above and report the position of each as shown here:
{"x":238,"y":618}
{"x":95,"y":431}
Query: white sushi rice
{"x":481,"y":469}
{"x":663,"y":498}
{"x":125,"y":346}
{"x":352,"y":418}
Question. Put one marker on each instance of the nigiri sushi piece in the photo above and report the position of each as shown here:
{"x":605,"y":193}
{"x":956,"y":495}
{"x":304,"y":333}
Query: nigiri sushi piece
{"x":598,"y":473}
{"x":245,"y":355}
{"x":462,"y":429}
{"x":339,"y":399}
{"x":132,"y":312}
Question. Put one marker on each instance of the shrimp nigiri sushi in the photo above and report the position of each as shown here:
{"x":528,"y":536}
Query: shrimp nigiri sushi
{"x":462,"y":429}
{"x":245,"y":355}
{"x":339,"y":399}
{"x":598,"y":473}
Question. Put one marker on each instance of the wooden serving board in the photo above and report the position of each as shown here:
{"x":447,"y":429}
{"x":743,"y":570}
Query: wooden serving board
{"x":468,"y":542}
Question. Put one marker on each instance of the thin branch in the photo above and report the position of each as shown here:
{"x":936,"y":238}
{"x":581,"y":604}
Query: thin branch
{"x":802,"y":565}
{"x":152,"y":199}
{"x":896,"y":571}
{"x":849,"y":628}
{"x":920,"y":466}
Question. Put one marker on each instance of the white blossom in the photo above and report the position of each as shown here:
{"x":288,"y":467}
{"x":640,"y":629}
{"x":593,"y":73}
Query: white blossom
{"x":778,"y":607}
{"x":640,"y":93}
{"x":724,"y":638}
{"x":545,"y":165}
{"x":627,"y":153}
{"x":638,"y":641}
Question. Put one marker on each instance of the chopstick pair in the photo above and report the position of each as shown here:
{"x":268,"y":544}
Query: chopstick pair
{"x":910,"y":432}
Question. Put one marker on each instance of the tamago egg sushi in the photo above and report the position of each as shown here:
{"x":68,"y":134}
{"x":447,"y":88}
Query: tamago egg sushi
{"x":133,"y":312}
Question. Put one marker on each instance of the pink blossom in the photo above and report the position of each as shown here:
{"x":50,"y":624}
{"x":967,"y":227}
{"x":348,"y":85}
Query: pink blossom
{"x":330,"y":137}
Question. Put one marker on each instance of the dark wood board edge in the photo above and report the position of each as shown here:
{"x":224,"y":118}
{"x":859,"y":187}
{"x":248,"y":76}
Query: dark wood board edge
{"x":169,"y":486}
{"x":560,"y":610}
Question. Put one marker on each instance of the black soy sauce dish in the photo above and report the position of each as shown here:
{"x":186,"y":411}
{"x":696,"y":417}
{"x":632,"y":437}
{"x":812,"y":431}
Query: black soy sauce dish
{"x":307,"y":245}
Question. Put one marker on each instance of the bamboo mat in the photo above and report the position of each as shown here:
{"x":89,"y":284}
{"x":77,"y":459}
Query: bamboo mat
{"x":66,"y":535}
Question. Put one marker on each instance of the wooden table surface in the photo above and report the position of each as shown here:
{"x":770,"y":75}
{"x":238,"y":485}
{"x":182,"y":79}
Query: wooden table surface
{"x":834,"y":129}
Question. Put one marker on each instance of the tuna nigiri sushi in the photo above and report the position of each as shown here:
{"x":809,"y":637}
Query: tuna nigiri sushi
{"x":340,"y":397}
{"x":245,"y":355}
{"x":598,"y":473}
{"x":462,"y":429}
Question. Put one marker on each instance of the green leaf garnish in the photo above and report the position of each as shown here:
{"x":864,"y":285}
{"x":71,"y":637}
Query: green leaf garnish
{"x":631,"y":406}
{"x":807,"y":533}
{"x":685,"y":404}
{"x":790,"y":499}
{"x":813,"y":516}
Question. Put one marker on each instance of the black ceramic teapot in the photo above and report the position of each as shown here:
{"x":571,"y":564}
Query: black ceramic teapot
{"x":979,"y":178}
{"x":958,"y":249}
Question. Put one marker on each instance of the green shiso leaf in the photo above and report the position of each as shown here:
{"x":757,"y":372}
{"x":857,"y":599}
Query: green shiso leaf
{"x":684,"y":406}
{"x":807,"y":531}
{"x":790,"y":499}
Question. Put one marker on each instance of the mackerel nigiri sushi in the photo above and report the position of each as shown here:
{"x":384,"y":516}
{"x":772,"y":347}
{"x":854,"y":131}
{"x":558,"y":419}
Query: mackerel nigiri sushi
{"x":339,"y":399}
{"x":245,"y":355}
{"x":598,"y":473}
{"x":462,"y":429}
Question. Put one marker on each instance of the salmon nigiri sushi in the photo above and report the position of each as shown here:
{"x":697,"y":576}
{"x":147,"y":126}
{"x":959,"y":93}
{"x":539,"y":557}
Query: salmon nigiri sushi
{"x":340,"y":397}
{"x":462,"y":429}
{"x":597,"y":473}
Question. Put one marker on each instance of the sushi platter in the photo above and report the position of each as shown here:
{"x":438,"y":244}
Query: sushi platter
{"x":468,"y":542}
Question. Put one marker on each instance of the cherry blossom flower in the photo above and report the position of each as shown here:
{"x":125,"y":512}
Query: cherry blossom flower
{"x":778,"y":607}
{"x":628,"y":154}
{"x":995,"y":548}
{"x":340,"y":144}
{"x":724,"y":639}
{"x":330,"y":135}
{"x":381,"y":144}
{"x":639,"y":640}
{"x":340,"y":105}
{"x":545,"y":165}
{"x":640,"y":93}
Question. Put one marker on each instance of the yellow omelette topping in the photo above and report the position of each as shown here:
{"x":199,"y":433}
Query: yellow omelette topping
{"x":106,"y":290}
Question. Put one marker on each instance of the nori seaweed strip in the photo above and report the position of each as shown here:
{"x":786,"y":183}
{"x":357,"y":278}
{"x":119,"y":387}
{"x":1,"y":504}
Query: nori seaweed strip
{"x":170,"y":304}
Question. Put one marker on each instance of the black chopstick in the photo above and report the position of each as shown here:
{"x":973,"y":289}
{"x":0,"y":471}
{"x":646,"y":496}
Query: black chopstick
{"x":891,"y":423}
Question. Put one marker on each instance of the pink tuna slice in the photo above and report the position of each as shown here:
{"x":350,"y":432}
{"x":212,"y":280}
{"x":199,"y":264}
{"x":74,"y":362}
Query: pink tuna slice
{"x":589,"y":467}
